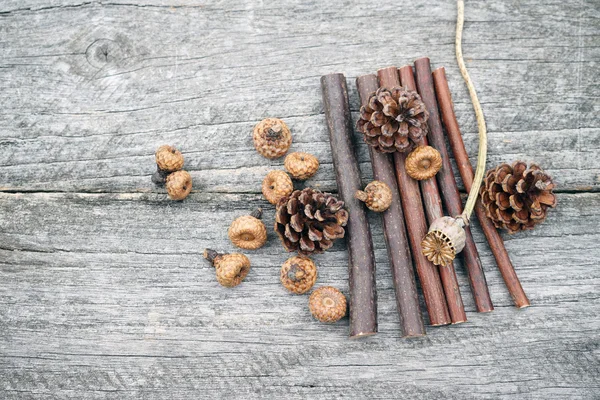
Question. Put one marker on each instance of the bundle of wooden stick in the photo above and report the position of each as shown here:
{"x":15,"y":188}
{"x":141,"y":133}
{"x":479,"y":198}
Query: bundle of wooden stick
{"x":415,"y":204}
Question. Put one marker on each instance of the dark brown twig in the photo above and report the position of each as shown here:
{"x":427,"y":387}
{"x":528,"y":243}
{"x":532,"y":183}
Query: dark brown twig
{"x":394,"y":230}
{"x":363,"y":298}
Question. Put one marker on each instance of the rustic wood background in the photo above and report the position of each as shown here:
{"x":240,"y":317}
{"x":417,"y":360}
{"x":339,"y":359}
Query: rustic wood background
{"x":104,"y":293}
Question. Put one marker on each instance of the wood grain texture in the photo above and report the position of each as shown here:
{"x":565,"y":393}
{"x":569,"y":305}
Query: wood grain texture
{"x":104,"y":292}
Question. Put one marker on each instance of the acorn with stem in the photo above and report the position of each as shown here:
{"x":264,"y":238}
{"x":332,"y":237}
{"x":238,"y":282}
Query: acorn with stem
{"x":248,"y":231}
{"x":231,"y":269}
{"x":377,"y":196}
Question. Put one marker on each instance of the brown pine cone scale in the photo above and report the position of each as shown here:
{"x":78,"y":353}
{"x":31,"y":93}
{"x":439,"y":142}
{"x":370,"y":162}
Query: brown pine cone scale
{"x":517,"y":197}
{"x":393,"y":120}
{"x":308,"y":221}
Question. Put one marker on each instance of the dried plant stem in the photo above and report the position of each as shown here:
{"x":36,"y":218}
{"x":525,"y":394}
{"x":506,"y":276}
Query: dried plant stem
{"x":482,"y":152}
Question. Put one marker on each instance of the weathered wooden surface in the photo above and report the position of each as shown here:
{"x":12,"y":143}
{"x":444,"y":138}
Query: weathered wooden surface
{"x":104,"y":293}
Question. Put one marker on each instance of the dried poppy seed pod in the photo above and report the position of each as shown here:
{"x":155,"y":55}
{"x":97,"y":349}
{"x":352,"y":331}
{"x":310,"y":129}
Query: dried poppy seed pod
{"x":272,"y":137}
{"x":231,"y":269}
{"x":298,"y":274}
{"x":179,"y":185}
{"x":377,"y":196}
{"x":445,"y":239}
{"x":301,"y":166}
{"x":168,"y":159}
{"x":327,"y":304}
{"x":423,"y":163}
{"x":277,"y":185}
{"x":248,"y":231}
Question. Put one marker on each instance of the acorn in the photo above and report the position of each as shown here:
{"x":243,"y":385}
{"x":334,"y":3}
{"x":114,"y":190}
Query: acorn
{"x":231,"y":269}
{"x":272,"y":138}
{"x":423,"y":163}
{"x":168,"y":159}
{"x":327,"y":304}
{"x":300,"y":165}
{"x":179,"y":185}
{"x":298,"y":274}
{"x":277,"y":185}
{"x":377,"y":196}
{"x":248,"y":231}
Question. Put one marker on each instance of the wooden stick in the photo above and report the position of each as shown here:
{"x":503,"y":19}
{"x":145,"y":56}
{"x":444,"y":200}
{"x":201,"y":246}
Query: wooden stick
{"x":415,"y":224}
{"x":363,"y":297}
{"x":433,"y":209}
{"x":394,"y":230}
{"x":466,"y":172}
{"x":448,"y":187}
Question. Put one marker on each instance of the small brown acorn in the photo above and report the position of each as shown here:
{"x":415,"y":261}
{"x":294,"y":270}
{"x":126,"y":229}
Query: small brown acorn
{"x":179,"y":185}
{"x":327,"y":304}
{"x":423,"y":163}
{"x":248,"y":231}
{"x":231,"y":269}
{"x":298,"y":274}
{"x":277,"y":185}
{"x":272,"y":138}
{"x":300,"y":165}
{"x":168,"y":159}
{"x":377,"y":196}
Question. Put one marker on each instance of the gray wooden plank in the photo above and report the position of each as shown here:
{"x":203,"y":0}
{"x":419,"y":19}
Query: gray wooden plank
{"x":107,"y":295}
{"x":76,"y":119}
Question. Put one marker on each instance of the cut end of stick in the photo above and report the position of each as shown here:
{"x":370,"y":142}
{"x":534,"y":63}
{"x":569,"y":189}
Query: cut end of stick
{"x":362,"y":335}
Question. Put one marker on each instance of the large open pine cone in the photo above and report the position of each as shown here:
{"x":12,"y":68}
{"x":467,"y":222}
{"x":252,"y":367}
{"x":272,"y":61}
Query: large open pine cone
{"x":393,"y":120}
{"x":517,"y":197}
{"x":308,"y":221}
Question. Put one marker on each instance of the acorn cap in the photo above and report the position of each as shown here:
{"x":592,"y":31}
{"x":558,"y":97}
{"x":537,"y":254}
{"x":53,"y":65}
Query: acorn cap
{"x":277,"y":185}
{"x":377,"y":196}
{"x":179,"y":185}
{"x":230,"y":269}
{"x":423,"y":163}
{"x":248,"y":231}
{"x":272,"y":138}
{"x":169,"y":159}
{"x":327,"y":304}
{"x":300,"y":165}
{"x":298,"y":274}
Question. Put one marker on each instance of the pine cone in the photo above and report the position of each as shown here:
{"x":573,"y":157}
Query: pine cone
{"x":308,"y":221}
{"x":517,"y":197}
{"x":393,"y":120}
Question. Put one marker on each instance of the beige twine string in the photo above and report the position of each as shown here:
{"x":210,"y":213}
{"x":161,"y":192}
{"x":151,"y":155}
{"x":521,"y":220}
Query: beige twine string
{"x":481,"y":155}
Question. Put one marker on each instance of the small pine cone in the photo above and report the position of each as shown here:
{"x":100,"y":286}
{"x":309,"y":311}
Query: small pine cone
{"x":517,"y":197}
{"x":169,"y":159}
{"x":327,"y":304}
{"x":272,"y":137}
{"x":393,"y":120}
{"x":377,"y":196}
{"x":298,"y":274}
{"x":248,"y":231}
{"x":423,"y":163}
{"x":277,"y":185}
{"x":301,"y":166}
{"x":308,"y":221}
{"x":231,"y":269}
{"x":179,"y":185}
